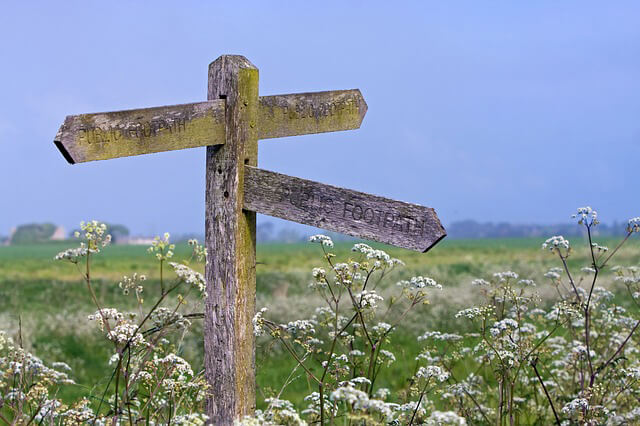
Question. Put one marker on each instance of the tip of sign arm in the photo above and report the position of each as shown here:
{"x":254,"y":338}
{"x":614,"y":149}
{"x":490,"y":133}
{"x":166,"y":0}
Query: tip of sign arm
{"x":307,"y":113}
{"x":350,"y":212}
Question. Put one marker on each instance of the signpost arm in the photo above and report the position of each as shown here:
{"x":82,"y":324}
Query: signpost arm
{"x":230,"y":233}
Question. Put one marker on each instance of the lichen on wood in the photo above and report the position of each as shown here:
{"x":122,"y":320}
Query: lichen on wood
{"x":101,"y":136}
{"x":229,"y":342}
{"x":350,"y":212}
{"x":306,"y":113}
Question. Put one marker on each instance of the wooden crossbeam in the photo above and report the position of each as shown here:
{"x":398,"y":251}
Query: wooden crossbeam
{"x":106,"y":135}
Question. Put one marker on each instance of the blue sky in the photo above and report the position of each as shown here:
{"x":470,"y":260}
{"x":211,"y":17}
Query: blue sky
{"x":501,"y":111}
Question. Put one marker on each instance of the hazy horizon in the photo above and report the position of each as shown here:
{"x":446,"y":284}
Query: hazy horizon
{"x":277,"y":227}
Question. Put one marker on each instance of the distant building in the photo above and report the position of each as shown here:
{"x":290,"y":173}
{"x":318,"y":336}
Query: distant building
{"x":59,"y":234}
{"x":136,"y":241}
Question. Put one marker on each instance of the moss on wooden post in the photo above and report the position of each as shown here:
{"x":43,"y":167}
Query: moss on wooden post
{"x":101,"y":136}
{"x":230,"y":240}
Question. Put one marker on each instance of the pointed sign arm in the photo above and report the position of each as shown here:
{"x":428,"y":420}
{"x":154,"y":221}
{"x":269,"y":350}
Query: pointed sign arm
{"x":100,"y":136}
{"x":307,"y":113}
{"x":342,"y":210}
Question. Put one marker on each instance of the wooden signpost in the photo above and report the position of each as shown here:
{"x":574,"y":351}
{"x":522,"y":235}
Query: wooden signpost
{"x":229,"y":124}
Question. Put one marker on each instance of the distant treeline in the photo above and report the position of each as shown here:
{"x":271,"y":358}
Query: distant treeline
{"x":268,"y":232}
{"x":466,"y":229}
{"x":473,"y":229}
{"x":33,"y":233}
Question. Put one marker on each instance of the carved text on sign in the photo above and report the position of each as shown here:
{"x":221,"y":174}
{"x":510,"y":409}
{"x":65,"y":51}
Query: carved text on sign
{"x":316,"y":110}
{"x":384,"y":219}
{"x":306,"y":113}
{"x":341,"y":210}
{"x":309,"y":200}
{"x":305,"y":199}
{"x":100,"y":136}
{"x":139,"y":130}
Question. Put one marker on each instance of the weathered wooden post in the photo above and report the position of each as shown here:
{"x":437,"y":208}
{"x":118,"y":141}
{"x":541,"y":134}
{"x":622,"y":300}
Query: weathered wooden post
{"x":229,"y":124}
{"x":231,"y":243}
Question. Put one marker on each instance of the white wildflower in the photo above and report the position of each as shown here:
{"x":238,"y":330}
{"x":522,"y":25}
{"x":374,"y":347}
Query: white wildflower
{"x":161,"y":248}
{"x":189,"y":276}
{"x":630,"y":373}
{"x":386,"y":357}
{"x":178,"y":365}
{"x":503,"y":325}
{"x":61,"y":366}
{"x":126,"y":332}
{"x":472,"y":313}
{"x":441,"y":418}
{"x":379,"y":256}
{"x":381,"y":328}
{"x":300,"y":326}
{"x":576,"y":406}
{"x":553,"y":273}
{"x":586,"y":216}
{"x":432,"y":371}
{"x":319,"y":278}
{"x":72,"y":254}
{"x":436,"y":335}
{"x":420,"y":282}
{"x":349,"y":395}
{"x":258,"y":322}
{"x":192,"y":419}
{"x":369,"y":299}
{"x":633,"y":225}
{"x":505,"y":276}
{"x":322,"y":239}
{"x":382,"y":393}
{"x":555,"y":243}
{"x":355,"y":382}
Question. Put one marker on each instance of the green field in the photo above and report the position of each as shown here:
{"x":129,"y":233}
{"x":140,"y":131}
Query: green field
{"x":50,"y":300}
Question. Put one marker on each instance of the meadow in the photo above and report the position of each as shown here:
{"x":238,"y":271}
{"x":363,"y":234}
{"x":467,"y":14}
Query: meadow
{"x":44,"y":303}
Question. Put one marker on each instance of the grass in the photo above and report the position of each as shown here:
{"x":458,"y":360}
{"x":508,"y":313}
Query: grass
{"x":52,"y":303}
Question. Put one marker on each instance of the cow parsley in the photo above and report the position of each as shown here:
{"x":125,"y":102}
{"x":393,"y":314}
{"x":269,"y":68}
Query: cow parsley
{"x":322,"y":239}
{"x":555,"y":243}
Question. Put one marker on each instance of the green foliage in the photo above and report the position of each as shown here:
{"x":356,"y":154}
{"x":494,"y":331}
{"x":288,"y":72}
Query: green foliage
{"x":145,"y":380}
{"x":117,"y":231}
{"x":33,"y":233}
{"x":521,"y":358}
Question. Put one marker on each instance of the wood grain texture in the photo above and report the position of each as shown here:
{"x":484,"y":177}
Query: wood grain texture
{"x":229,"y":343}
{"x":305,"y":113}
{"x":342,"y":210}
{"x":101,"y":136}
